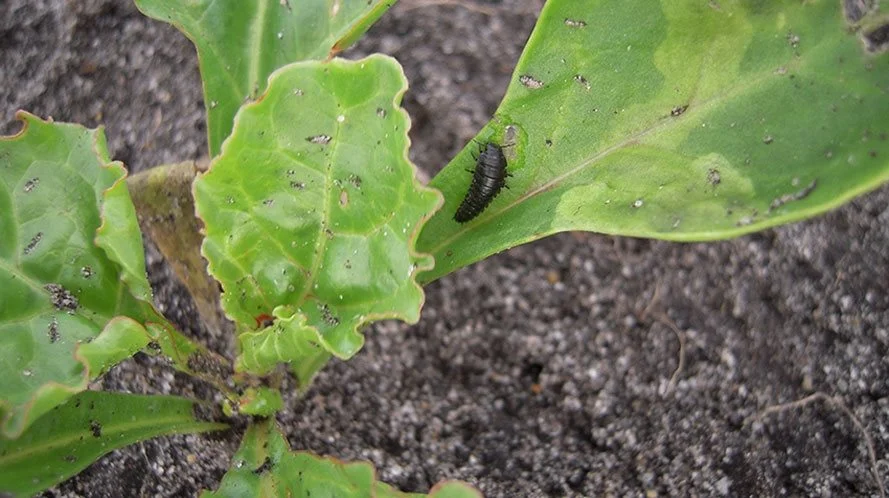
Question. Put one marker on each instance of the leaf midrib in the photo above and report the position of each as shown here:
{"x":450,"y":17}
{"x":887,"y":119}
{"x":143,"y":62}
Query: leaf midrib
{"x":658,"y":125}
{"x":119,"y":430}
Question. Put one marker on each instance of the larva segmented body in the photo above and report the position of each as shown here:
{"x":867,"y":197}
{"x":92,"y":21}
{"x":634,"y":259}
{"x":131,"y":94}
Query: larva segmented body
{"x":488,"y":179}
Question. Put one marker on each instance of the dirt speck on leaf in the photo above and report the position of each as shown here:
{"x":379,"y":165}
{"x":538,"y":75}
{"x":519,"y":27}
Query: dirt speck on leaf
{"x":328,"y":317}
{"x":530,"y":81}
{"x":319,"y":139}
{"x":33,"y":244}
{"x":31,"y":185}
{"x":61,"y":298}
{"x":53,"y":331}
{"x":795,"y":196}
{"x":575,"y":23}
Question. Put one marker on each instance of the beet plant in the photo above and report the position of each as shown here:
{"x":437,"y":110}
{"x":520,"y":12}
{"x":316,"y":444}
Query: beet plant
{"x":678,"y":120}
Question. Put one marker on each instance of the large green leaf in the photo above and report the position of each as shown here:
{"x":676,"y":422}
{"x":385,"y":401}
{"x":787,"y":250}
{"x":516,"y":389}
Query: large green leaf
{"x":240,"y":43}
{"x":680,"y":120}
{"x":91,"y":424}
{"x":264,"y":466}
{"x":70,"y":262}
{"x":311,"y":213}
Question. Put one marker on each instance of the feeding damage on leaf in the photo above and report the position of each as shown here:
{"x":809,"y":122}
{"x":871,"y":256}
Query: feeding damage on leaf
{"x":311,"y":214}
{"x":872,"y":27}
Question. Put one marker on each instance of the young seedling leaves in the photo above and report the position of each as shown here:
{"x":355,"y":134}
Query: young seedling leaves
{"x":683,"y":120}
{"x":91,"y":424}
{"x":311,"y":212}
{"x":287,"y":339}
{"x":70,"y":262}
{"x":260,"y":401}
{"x":265,"y":466}
{"x":240,"y":43}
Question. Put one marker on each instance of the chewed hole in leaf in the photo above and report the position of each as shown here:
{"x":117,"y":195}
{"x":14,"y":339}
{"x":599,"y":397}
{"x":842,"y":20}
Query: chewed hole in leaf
{"x":877,"y":40}
{"x":204,"y":363}
{"x":855,"y":10}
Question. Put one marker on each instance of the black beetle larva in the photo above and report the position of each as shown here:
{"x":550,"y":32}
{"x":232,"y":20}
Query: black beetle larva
{"x":488,"y":179}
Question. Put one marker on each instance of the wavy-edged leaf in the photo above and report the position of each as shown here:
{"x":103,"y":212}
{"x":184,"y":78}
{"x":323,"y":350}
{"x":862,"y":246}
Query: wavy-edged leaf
{"x":91,"y":424}
{"x":260,"y":401}
{"x":265,"y":466}
{"x":240,"y":43}
{"x":288,"y":339}
{"x":119,"y":233}
{"x":679,"y":120}
{"x":62,"y":278}
{"x":313,"y":205}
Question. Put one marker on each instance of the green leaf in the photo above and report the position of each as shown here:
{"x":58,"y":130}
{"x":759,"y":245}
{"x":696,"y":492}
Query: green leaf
{"x":265,"y":466}
{"x":91,"y":424}
{"x":190,"y":357}
{"x":119,"y":234}
{"x":260,"y":401}
{"x":289,"y":338}
{"x":240,"y":43}
{"x":311,"y":213}
{"x":680,"y":120}
{"x":62,"y":277}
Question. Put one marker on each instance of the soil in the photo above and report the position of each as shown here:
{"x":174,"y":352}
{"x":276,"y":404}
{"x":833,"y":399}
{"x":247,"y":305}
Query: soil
{"x":579,"y":365}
